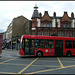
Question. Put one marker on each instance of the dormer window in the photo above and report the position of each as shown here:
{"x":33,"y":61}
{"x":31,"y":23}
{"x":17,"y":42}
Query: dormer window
{"x":67,"y":25}
{"x":44,"y":24}
{"x":41,"y":24}
{"x":64,"y":25}
{"x":47,"y":24}
{"x":70,"y":25}
{"x":50,"y":25}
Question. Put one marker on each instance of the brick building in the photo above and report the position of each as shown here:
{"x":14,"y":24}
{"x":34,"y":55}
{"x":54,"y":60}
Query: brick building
{"x":52,"y":25}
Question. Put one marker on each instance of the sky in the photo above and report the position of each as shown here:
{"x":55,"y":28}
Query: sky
{"x":12,"y":9}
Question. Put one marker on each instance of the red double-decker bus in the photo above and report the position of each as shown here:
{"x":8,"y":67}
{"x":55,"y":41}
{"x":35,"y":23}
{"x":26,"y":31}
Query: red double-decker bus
{"x":0,"y":46}
{"x":47,"y":45}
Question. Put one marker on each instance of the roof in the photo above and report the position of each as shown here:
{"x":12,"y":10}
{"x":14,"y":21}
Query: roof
{"x":35,"y":14}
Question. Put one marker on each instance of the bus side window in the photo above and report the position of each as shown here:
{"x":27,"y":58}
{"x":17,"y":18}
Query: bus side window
{"x":68,"y":44}
{"x":73,"y":44}
{"x":49,"y":44}
{"x":39,"y":43}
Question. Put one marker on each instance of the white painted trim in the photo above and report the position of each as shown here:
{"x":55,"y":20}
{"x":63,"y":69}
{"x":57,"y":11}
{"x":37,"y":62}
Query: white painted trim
{"x":33,"y":28}
{"x":58,"y":20}
{"x":53,"y":22}
{"x":38,"y":22}
{"x":73,"y":26}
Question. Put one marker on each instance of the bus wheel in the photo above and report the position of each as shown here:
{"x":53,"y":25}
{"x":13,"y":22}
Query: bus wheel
{"x":39,"y":54}
{"x":68,"y":53}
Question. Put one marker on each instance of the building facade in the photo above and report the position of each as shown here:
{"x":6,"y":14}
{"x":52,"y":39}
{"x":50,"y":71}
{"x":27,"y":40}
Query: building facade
{"x":52,"y":25}
{"x":18,"y":27}
{"x":8,"y":35}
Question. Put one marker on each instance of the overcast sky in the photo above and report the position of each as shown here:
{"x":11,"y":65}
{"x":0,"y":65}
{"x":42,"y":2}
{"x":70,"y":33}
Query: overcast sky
{"x":13,"y":9}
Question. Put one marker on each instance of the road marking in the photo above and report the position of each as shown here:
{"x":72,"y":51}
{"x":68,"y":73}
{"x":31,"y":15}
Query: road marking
{"x":68,"y":61}
{"x":8,"y":60}
{"x":60,"y":63}
{"x":67,"y":58}
{"x":70,"y":66}
{"x":27,"y":66}
{"x":13,"y":64}
{"x":43,"y":71}
{"x":31,"y":65}
{"x":47,"y":61}
{"x":50,"y":69}
{"x":37,"y":60}
{"x":7,"y":73}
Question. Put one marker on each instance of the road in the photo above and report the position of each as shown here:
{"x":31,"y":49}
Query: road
{"x":12,"y":63}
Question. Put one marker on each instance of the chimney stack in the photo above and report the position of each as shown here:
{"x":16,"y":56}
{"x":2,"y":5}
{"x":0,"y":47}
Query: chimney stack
{"x":46,"y":12}
{"x":54,"y":14}
{"x":40,"y":14}
{"x":72,"y":15}
{"x":65,"y":12}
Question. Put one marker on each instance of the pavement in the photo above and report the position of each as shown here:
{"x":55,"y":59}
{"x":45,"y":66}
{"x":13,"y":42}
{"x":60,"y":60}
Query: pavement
{"x":9,"y":53}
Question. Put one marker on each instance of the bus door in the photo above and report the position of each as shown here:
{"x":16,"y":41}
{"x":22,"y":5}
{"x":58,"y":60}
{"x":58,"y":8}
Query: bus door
{"x":58,"y":47}
{"x":29,"y":46}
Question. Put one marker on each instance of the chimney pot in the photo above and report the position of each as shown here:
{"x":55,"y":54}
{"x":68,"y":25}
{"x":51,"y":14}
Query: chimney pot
{"x":54,"y":14}
{"x":72,"y":15}
{"x":65,"y":12}
{"x":46,"y":12}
